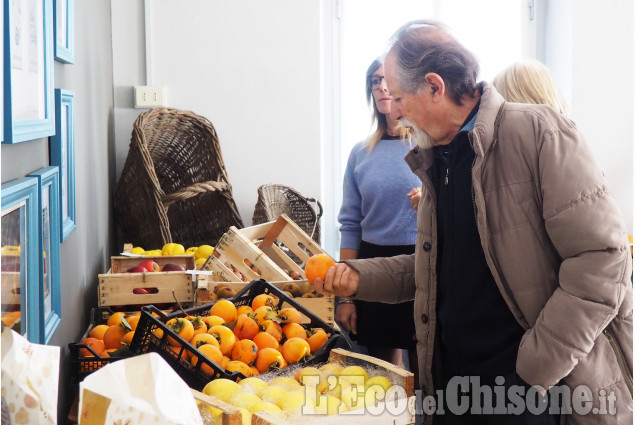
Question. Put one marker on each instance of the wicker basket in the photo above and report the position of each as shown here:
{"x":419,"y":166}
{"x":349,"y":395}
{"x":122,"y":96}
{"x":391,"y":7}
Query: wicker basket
{"x":276,"y":199}
{"x":174,"y":187}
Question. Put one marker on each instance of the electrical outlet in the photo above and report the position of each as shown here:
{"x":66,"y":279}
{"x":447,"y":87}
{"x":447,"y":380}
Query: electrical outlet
{"x":149,"y":96}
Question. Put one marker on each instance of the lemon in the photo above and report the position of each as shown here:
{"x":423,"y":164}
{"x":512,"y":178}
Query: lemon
{"x":285,"y":382}
{"x":203,"y":251}
{"x":138,"y":250}
{"x":382,"y":381}
{"x":244,"y":399}
{"x":272,"y":393}
{"x":352,"y":371}
{"x":221,"y":388}
{"x":154,"y":253}
{"x":191,"y":250}
{"x":172,"y":249}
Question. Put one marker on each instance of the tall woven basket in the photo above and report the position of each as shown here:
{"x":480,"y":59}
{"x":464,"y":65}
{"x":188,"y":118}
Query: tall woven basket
{"x":174,"y":187}
{"x":277,"y":199}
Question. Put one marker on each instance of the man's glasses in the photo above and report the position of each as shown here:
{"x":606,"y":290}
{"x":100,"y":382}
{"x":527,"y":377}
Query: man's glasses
{"x":375,"y":82}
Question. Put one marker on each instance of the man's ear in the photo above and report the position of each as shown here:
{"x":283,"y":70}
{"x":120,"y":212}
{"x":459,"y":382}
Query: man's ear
{"x":436,"y":85}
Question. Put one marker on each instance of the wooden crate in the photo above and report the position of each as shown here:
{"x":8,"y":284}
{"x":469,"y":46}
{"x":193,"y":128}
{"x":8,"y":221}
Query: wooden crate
{"x":117,"y":288}
{"x":284,"y":242}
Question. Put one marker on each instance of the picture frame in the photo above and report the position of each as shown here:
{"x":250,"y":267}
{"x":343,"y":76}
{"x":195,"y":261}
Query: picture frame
{"x":64,"y":17}
{"x":28,"y":112}
{"x":50,"y":302}
{"x":19,"y":248}
{"x":63,"y":155}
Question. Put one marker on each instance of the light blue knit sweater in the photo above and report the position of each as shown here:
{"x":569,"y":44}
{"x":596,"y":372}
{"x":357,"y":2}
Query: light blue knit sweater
{"x":375,"y":205}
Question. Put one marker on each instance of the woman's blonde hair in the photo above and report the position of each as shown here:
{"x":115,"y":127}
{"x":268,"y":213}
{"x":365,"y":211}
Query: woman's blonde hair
{"x":530,"y":82}
{"x":378,"y":120}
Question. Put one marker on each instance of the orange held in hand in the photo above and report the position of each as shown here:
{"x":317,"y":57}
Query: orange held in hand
{"x":317,"y":266}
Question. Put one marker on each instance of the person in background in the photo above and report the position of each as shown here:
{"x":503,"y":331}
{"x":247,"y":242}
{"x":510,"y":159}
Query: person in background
{"x":521,"y":272}
{"x":530,"y":81}
{"x":377,"y":221}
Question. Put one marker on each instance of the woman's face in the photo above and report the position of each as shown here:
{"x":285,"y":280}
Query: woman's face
{"x":380,"y":91}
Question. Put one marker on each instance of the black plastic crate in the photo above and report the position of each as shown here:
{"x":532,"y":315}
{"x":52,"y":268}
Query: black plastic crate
{"x":145,"y":340}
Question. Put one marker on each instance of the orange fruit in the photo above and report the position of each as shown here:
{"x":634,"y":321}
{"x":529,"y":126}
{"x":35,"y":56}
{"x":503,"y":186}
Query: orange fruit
{"x":224,"y":361}
{"x":212,"y":353}
{"x":254,"y":371}
{"x":245,"y":351}
{"x":115,"y":319}
{"x":95,"y":344}
{"x":114,"y":335}
{"x":265,"y":340}
{"x":317,"y":266}
{"x":127,"y":338}
{"x":263,"y":313}
{"x":296,"y":350}
{"x":180,"y":351}
{"x":246,"y":327}
{"x":269,"y":359}
{"x":199,"y":325}
{"x":289,"y":315}
{"x":262,"y":300}
{"x":133,"y":321}
{"x":200,"y":339}
{"x":238,"y":366}
{"x":244,"y":309}
{"x":272,"y":328}
{"x":224,"y":336}
{"x":294,"y":330}
{"x":98,"y":331}
{"x":225,"y":309}
{"x":212,"y":321}
{"x":181,"y":327}
{"x":317,"y":337}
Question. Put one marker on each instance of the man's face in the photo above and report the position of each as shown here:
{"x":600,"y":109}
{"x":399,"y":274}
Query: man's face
{"x":409,"y":109}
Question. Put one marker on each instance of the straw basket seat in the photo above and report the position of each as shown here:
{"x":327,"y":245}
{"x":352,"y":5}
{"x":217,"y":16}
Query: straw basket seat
{"x":173,"y":186}
{"x":277,"y":199}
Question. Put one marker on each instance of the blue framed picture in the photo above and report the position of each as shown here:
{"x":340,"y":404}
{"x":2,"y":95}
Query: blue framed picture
{"x":63,"y":155}
{"x":64,"y":17}
{"x":49,"y":250}
{"x":20,"y":270}
{"x":27,"y":70}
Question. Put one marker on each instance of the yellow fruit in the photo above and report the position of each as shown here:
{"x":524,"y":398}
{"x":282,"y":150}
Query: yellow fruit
{"x":329,"y":405}
{"x":153,"y":253}
{"x":222,"y":388}
{"x":252,"y":384}
{"x":138,"y":250}
{"x":272,"y":393}
{"x":295,"y":403}
{"x":351,"y":371}
{"x":244,"y":399}
{"x":331,"y":369}
{"x":287,"y":383}
{"x":267,"y":407}
{"x":191,"y":250}
{"x":382,"y":381}
{"x":203,"y":251}
{"x":172,"y":249}
{"x":352,"y":395}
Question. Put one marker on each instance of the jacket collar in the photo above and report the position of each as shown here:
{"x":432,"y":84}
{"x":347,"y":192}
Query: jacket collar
{"x":482,"y":136}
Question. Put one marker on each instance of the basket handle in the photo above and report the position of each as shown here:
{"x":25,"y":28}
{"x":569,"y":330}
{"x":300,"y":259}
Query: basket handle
{"x":193,"y":190}
{"x":320,"y":210}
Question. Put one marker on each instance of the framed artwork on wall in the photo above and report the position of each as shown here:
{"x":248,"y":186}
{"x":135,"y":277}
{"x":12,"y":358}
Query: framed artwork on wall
{"x":49,"y":251}
{"x":27,"y":70}
{"x":19,"y":248}
{"x":64,"y":17}
{"x":63,"y":155}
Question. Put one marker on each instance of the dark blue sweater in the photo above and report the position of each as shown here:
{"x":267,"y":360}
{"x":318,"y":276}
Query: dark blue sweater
{"x":479,"y":336}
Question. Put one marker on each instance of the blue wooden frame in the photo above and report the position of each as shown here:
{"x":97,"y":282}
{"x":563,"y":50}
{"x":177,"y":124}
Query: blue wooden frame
{"x":63,"y":155}
{"x":65,"y":52}
{"x":49,"y":251}
{"x":15,"y":130}
{"x":23,"y":195}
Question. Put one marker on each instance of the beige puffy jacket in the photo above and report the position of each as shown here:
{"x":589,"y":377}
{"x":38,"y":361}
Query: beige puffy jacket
{"x":555,"y":243}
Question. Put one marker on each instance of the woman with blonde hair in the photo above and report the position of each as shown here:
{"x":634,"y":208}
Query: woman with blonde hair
{"x":530,"y":81}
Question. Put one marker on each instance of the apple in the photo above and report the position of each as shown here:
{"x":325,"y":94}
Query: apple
{"x":171,"y":267}
{"x":150,"y":266}
{"x":137,"y":269}
{"x":140,"y":291}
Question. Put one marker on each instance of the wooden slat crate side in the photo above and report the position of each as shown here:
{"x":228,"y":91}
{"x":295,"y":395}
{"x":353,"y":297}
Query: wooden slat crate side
{"x":235,"y":248}
{"x":222,"y":273}
{"x":117,"y":288}
{"x":230,"y":415}
{"x":120,"y":264}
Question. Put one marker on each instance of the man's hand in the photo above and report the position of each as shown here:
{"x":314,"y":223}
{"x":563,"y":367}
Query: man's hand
{"x":346,"y":316}
{"x":415,"y":197}
{"x":340,"y":280}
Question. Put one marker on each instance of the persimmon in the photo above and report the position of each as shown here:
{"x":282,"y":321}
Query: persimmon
{"x":289,"y":315}
{"x":180,"y":351}
{"x":316,"y":338}
{"x":198,"y":324}
{"x":262,"y":300}
{"x":115,"y":319}
{"x":265,"y":340}
{"x":182,"y":327}
{"x":224,"y":336}
{"x":317,"y":266}
{"x":212,"y":353}
{"x":95,"y":344}
{"x":225,"y":309}
{"x":294,"y":330}
{"x":212,"y":320}
{"x":246,"y":327}
{"x":200,"y":339}
{"x":264,"y":313}
{"x":113,"y":336}
{"x":295,"y":350}
{"x":245,"y":351}
{"x":254,"y":371}
{"x":224,"y":361}
{"x":98,"y":331}
{"x":269,"y":359}
{"x":272,"y":328}
{"x":238,"y":366}
{"x":244,"y":309}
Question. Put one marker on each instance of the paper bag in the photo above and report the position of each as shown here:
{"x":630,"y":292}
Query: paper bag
{"x":138,"y":390}
{"x":30,"y":374}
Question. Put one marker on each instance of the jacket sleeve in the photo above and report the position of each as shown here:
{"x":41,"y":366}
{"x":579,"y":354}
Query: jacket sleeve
{"x":585,"y":226}
{"x":387,"y":279}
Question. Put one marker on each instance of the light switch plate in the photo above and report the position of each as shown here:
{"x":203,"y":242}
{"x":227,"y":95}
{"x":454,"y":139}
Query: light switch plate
{"x":149,"y":96}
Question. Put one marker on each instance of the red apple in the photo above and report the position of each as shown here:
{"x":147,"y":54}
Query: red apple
{"x":171,"y":267}
{"x":137,"y":269}
{"x":150,"y":266}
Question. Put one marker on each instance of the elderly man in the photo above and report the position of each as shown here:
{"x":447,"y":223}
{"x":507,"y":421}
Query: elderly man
{"x":521,"y":275}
